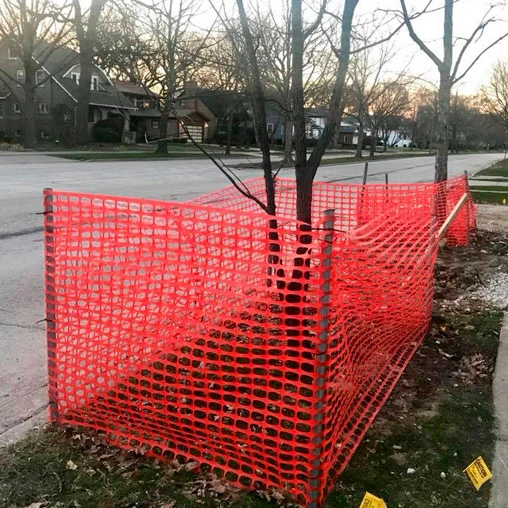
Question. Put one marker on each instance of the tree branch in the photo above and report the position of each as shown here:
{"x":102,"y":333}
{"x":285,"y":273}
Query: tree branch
{"x":414,"y":36}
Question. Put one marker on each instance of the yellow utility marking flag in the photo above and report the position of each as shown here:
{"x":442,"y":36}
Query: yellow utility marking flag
{"x":478,"y":472}
{"x":370,"y":501}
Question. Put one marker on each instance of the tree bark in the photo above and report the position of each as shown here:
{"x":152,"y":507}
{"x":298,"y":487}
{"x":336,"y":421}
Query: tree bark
{"x":87,"y":40}
{"x":288,"y":138}
{"x":229,"y":131}
{"x":29,"y":107}
{"x":443,"y":114}
{"x":303,"y":187}
{"x":373,"y":143}
{"x":162,"y":145}
{"x":359,"y":145}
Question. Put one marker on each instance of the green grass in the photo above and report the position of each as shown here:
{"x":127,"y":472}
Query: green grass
{"x":500,"y":168}
{"x":486,"y":197}
{"x":84,"y":156}
{"x":497,"y":188}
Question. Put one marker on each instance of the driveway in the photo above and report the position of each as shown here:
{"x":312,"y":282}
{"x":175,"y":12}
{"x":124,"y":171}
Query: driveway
{"x":23,"y":176}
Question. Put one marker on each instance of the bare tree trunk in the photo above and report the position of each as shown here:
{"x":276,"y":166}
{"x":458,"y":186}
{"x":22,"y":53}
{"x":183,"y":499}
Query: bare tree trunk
{"x":303,"y":182}
{"x":359,"y":145}
{"x":162,"y":144}
{"x":87,"y":40}
{"x":442,"y":128}
{"x":288,"y":138}
{"x":29,"y":108}
{"x":373,"y":143}
{"x":229,"y":131}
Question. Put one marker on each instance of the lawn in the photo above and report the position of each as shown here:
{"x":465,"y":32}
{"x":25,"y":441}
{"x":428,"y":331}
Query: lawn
{"x":490,"y":197}
{"x":173,"y":154}
{"x":438,"y":420}
{"x":498,"y":169}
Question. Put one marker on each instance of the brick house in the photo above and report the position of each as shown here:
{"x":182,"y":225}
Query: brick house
{"x":56,"y":97}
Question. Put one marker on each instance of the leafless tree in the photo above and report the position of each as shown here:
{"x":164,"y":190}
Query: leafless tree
{"x":305,"y":166}
{"x":174,"y":44}
{"x":273,"y":34}
{"x":365,"y":74}
{"x":450,"y":70}
{"x":389,"y":100}
{"x":33,"y":30}
{"x":420,"y":97}
{"x":122,"y":47}
{"x":85,"y":24}
{"x":494,"y":96}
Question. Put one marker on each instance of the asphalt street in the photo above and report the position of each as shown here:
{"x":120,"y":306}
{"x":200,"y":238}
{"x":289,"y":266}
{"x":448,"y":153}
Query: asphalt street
{"x":22,"y":178}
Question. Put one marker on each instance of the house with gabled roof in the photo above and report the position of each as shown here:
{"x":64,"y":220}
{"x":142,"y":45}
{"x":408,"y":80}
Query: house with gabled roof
{"x":56,"y":97}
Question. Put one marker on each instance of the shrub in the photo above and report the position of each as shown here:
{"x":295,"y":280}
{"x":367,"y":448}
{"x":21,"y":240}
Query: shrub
{"x":106,"y":135}
{"x":109,"y":130}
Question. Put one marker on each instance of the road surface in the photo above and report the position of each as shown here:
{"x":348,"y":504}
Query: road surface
{"x":22,"y":178}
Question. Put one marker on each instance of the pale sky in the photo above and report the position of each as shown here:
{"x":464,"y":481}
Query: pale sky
{"x":467,"y":15}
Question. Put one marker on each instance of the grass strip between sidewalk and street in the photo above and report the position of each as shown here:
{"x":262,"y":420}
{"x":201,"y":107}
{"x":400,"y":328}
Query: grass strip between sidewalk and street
{"x":438,"y":419}
{"x":500,"y":168}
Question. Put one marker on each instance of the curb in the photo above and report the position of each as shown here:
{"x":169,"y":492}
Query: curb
{"x":499,"y":492}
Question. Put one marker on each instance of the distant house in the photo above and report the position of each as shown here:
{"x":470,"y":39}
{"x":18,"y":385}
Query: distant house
{"x":145,"y":120}
{"x":316,"y":119}
{"x":193,"y":112}
{"x":56,"y":97}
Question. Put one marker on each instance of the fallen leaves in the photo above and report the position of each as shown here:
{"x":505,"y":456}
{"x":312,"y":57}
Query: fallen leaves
{"x":71,"y":465}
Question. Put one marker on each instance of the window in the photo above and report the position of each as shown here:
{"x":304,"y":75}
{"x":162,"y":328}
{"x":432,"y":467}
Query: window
{"x":44,"y":134}
{"x":20,"y":76}
{"x":12,"y":54}
{"x":155,"y":124}
{"x":91,"y":115}
{"x":94,"y":85}
{"x":75,"y":77}
{"x":269,"y":128}
{"x":17,"y":108}
{"x":18,"y":133}
{"x":43,"y":108}
{"x":40,"y":75}
{"x":346,"y":139}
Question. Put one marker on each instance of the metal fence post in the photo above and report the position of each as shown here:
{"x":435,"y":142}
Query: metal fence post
{"x":49,"y":289}
{"x":317,"y":480}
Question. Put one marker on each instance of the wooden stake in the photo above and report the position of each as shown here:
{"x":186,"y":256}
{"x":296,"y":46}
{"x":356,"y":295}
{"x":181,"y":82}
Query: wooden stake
{"x":451,"y":217}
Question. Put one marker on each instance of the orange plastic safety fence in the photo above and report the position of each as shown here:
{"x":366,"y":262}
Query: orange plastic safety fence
{"x":206,"y":330}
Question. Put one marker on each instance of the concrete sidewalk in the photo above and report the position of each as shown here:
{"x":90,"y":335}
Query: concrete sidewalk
{"x":499,"y":495}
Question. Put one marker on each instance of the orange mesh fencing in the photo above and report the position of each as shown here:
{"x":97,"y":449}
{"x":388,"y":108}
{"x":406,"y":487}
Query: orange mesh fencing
{"x":192,"y":331}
